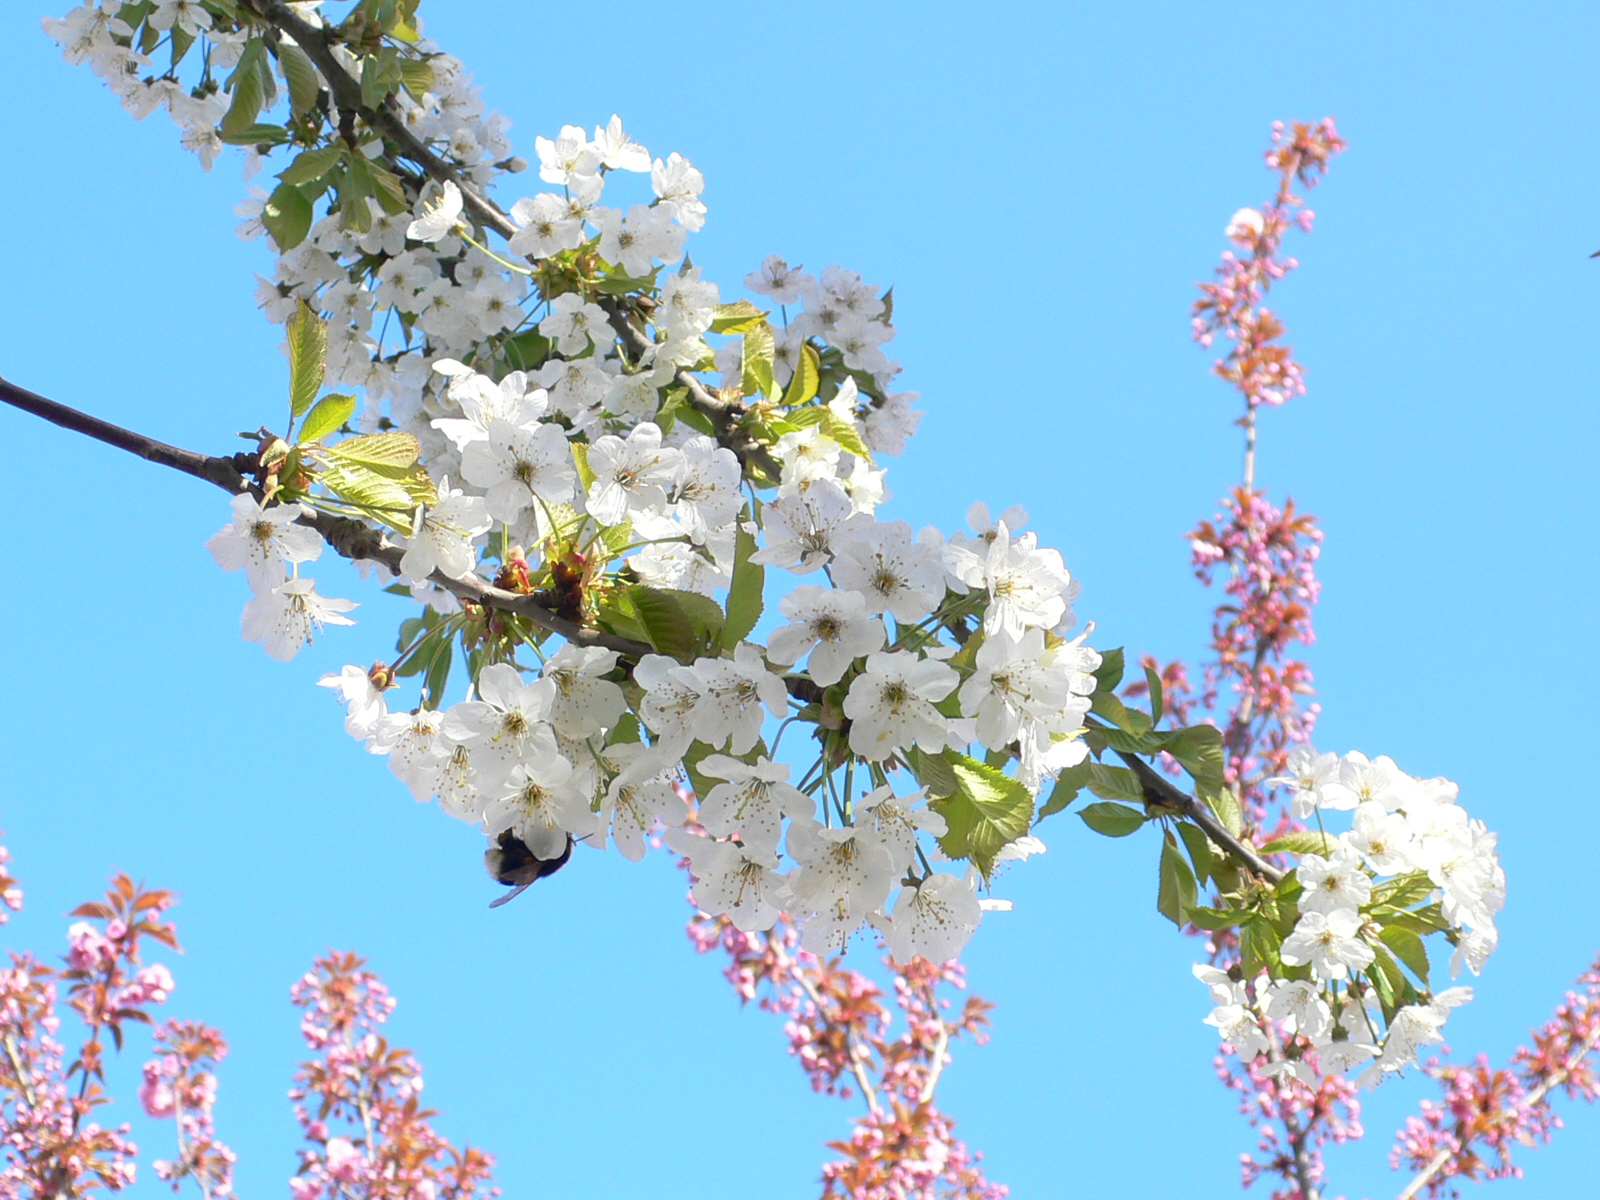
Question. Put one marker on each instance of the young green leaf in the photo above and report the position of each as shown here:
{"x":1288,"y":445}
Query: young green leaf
{"x":332,"y":411}
{"x":1178,"y":891}
{"x":1305,"y":841}
{"x":304,"y":82}
{"x":758,"y":351}
{"x":1115,"y":783}
{"x":745,"y":594}
{"x":287,"y":215}
{"x":986,"y":812}
{"x":1113,"y":820}
{"x":1069,"y":783}
{"x":1152,"y":679}
{"x":308,"y":356}
{"x":739,"y":317}
{"x":806,"y":378}
{"x":392,"y":454}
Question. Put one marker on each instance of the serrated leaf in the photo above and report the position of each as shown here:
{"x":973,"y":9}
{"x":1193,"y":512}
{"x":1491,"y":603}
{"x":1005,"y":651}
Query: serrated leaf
{"x":1109,"y":673}
{"x":806,"y":379}
{"x":1112,"y":820}
{"x":987,"y":812}
{"x":1069,"y":783}
{"x":308,"y":356}
{"x":287,"y":216}
{"x":1152,"y":679}
{"x":249,"y":83}
{"x":1136,"y":743}
{"x":833,"y":426}
{"x":326,"y":416}
{"x":439,"y":671}
{"x":304,"y":82}
{"x":416,"y":76}
{"x":580,"y":459}
{"x":1115,"y":783}
{"x":1178,"y":891}
{"x":1259,"y":946}
{"x":391,"y":193}
{"x":933,"y":772}
{"x":1404,"y":890}
{"x":255,"y":135}
{"x":758,"y":352}
{"x":366,"y":488}
{"x":311,"y":165}
{"x":1199,"y":847}
{"x":745,"y":598}
{"x":1304,"y":841}
{"x":392,"y":454}
{"x":739,"y":317}
{"x":1218,"y":918}
{"x":1198,"y":750}
{"x":1225,"y":805}
{"x":1105,"y":703}
{"x":1408,"y":948}
{"x":680,"y":624}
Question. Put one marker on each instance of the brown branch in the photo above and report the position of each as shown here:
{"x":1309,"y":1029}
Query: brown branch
{"x":1163,"y":793}
{"x":226,"y":473}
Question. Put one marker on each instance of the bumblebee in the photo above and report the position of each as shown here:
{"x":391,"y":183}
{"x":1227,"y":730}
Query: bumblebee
{"x":511,"y":862}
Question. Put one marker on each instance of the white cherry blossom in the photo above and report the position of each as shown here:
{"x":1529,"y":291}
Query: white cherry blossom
{"x":934,"y":919}
{"x":264,"y":541}
{"x":283,"y":619}
{"x":832,"y":624}
{"x":891,"y":705}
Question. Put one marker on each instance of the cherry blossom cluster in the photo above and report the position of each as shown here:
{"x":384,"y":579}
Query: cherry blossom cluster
{"x":181,"y":1084}
{"x":358,"y":1103}
{"x":842,"y":1032}
{"x":568,"y":419}
{"x":1410,"y":842}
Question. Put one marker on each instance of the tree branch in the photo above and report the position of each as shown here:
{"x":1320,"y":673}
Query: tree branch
{"x":1163,"y":793}
{"x":386,"y":120}
{"x":226,"y":473}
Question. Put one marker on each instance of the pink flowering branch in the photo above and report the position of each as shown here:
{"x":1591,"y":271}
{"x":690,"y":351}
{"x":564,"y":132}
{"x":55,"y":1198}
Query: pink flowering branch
{"x":359,"y":1102}
{"x":1485,"y":1112}
{"x":843,"y":1033}
{"x":182,"y":1084}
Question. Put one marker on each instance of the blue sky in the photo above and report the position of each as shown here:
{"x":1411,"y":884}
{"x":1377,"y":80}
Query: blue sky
{"x":1042,"y":184}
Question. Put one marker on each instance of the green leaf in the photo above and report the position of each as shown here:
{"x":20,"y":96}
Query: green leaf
{"x":745,"y":595}
{"x":367,"y":489}
{"x":739,"y":317}
{"x":580,"y":458}
{"x":1225,"y":805}
{"x":933,"y":772}
{"x":807,"y":377}
{"x":1115,"y":783}
{"x":1178,"y":891}
{"x":392,"y":454}
{"x":326,"y":415}
{"x":680,"y":624}
{"x":1113,"y":820}
{"x":1408,"y":948}
{"x":312,"y":165}
{"x":1218,"y":918}
{"x":1305,"y":841}
{"x":1069,"y":783}
{"x":758,"y":351}
{"x":528,"y":350}
{"x":416,"y":76}
{"x":255,"y":135}
{"x":249,"y":83}
{"x":1152,"y":679}
{"x":833,"y":426}
{"x":1109,"y":673}
{"x":287,"y":216}
{"x":1198,"y":750}
{"x":987,"y":811}
{"x":1259,"y":946}
{"x":1135,"y":743}
{"x":439,"y":671}
{"x":390,"y":191}
{"x":304,"y":82}
{"x":308,"y":356}
{"x":1199,"y":847}
{"x":1404,"y":890}
{"x":1106,"y":704}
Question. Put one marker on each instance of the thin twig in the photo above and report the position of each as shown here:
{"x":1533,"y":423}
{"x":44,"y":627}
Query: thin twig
{"x":857,"y":1065}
